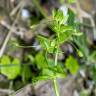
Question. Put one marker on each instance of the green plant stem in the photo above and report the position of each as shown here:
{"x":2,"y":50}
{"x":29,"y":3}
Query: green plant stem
{"x":55,"y":81}
{"x":56,"y":56}
{"x":56,"y":87}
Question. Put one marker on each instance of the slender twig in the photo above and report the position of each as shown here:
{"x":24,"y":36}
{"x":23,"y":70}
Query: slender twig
{"x":14,"y":11}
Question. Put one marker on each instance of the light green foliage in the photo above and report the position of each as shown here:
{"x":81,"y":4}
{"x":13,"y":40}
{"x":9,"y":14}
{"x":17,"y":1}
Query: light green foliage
{"x":81,"y":40}
{"x":11,"y":69}
{"x":93,"y":56}
{"x":5,"y":60}
{"x":71,"y":18}
{"x":26,"y":73}
{"x":50,"y":74}
{"x":47,"y":44}
{"x":48,"y":69}
{"x":80,"y":54}
{"x":93,"y":73}
{"x":31,"y":58}
{"x":61,"y":1}
{"x":59,"y":17}
{"x":41,"y":61}
{"x":92,"y":59}
{"x":63,"y":32}
{"x":55,"y":72}
{"x":71,"y":1}
{"x":72,"y":65}
{"x":84,"y":93}
{"x":61,"y":26}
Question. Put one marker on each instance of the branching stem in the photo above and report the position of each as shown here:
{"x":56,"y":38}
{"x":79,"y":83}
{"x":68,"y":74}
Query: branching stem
{"x":56,"y":55}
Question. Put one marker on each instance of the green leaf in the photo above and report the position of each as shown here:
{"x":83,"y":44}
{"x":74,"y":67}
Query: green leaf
{"x":72,"y":65}
{"x":31,"y":58}
{"x":81,"y":40}
{"x":59,"y":17}
{"x":62,"y":28}
{"x":93,"y":72}
{"x":71,"y":17}
{"x":47,"y":72}
{"x":55,"y":72}
{"x":63,"y":37}
{"x":80,"y":53}
{"x":84,"y":93}
{"x":59,"y":71}
{"x":61,"y":1}
{"x":41,"y":61}
{"x":71,"y":1}
{"x":10,"y":71}
{"x":93,"y":56}
{"x":26,"y":73}
{"x":44,"y":42}
{"x":47,"y":44}
{"x":5,"y":60}
{"x":41,"y":78}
